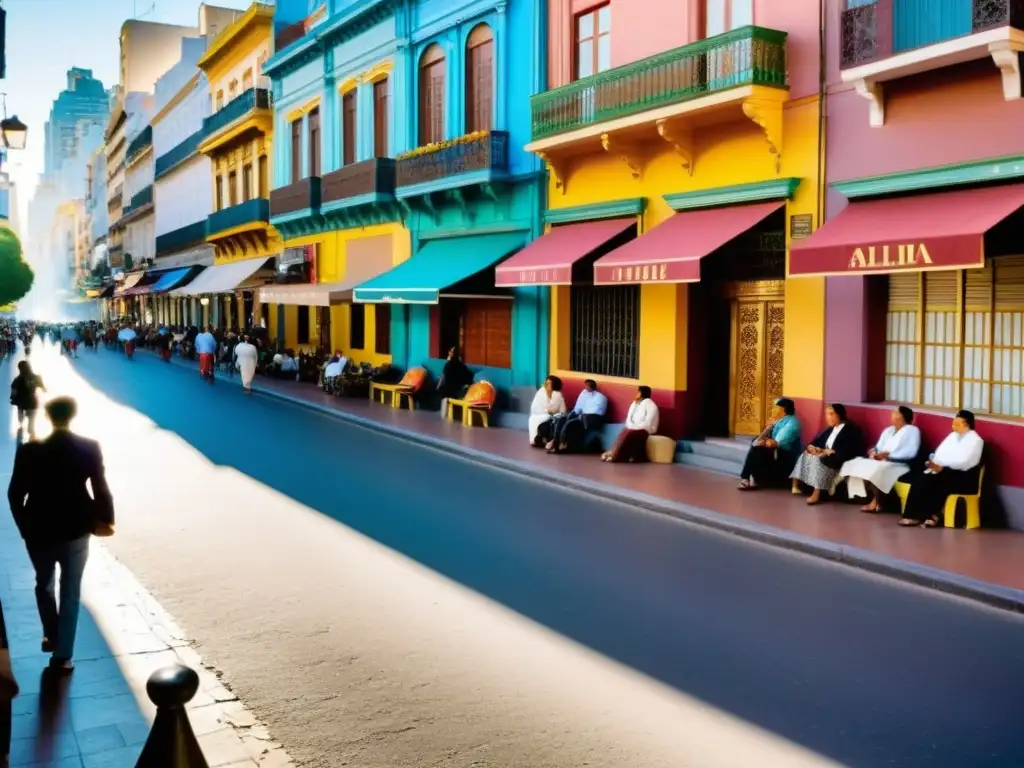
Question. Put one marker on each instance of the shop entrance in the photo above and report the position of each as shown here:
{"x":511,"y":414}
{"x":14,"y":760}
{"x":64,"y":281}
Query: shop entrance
{"x":742,"y":307}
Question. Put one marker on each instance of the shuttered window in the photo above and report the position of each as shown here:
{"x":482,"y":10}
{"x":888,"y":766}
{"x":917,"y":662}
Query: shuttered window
{"x":480,"y":328}
{"x":382,"y":328}
{"x":431,"y":102}
{"x":348,"y":127}
{"x":955,"y":339}
{"x":357,"y":326}
{"x":479,"y":79}
{"x":380,"y":118}
{"x":314,"y":142}
{"x":296,"y":150}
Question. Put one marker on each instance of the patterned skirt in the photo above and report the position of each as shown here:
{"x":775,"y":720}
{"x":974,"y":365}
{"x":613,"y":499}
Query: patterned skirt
{"x":810,"y":471}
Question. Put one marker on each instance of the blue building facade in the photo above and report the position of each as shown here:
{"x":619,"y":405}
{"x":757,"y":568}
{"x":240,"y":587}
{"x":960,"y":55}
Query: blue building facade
{"x":399,"y":167}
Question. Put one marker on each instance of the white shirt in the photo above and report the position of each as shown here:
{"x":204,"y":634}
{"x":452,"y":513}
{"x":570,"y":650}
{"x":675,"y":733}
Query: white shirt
{"x":959,"y":451}
{"x":902,"y":445}
{"x":643,"y":414}
{"x":245,"y":352}
{"x":833,"y":435}
{"x":543,"y":405}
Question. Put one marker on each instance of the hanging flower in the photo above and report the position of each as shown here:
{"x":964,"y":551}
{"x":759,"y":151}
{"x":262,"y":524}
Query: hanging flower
{"x":438,"y":146}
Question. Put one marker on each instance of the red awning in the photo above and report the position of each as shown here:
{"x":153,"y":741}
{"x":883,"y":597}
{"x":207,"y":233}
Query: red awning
{"x":548,"y":260}
{"x":942,"y":230}
{"x":671,"y":252}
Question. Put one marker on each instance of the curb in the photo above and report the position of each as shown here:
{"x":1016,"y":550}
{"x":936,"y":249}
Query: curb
{"x":995,"y":596}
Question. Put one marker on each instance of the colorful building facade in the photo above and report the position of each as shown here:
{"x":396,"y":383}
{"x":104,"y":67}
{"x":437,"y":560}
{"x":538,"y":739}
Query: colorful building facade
{"x":425,"y":185}
{"x":683,"y":156}
{"x":925,"y":285}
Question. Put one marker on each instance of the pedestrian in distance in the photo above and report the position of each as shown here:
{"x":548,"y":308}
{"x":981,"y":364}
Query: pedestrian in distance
{"x":206,"y":348}
{"x":246,"y":357}
{"x":25,"y":397}
{"x":56,"y":515}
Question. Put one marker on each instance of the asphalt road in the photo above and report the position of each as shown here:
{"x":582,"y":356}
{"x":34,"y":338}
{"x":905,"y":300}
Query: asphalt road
{"x":379,"y":604}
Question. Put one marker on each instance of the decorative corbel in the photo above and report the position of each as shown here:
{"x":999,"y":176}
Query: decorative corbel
{"x":459,"y":199}
{"x":1006,"y":55}
{"x":628,"y":152}
{"x":767,"y":115}
{"x":875,"y":94}
{"x":560,"y":169}
{"x":680,"y":137}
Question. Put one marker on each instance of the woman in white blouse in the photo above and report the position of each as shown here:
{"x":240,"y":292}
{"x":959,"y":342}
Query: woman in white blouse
{"x":546,"y":403}
{"x":641,"y":423}
{"x":955,"y":467}
{"x":889,"y":460}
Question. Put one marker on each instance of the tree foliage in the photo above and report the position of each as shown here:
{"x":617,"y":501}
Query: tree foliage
{"x":15,"y":274}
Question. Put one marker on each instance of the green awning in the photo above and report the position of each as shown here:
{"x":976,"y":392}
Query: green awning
{"x":438,"y":265}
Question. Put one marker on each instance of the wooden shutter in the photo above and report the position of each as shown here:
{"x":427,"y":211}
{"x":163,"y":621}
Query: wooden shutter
{"x":474,"y":333}
{"x":380,"y":120}
{"x":479,"y":80}
{"x":499,"y":334}
{"x":431,"y":106}
{"x":348,"y":111}
{"x":357,"y":326}
{"x":263,"y":180}
{"x":382,"y":328}
{"x":314,"y":142}
{"x":437,"y":102}
{"x":904,"y":291}
{"x":233,"y":188}
{"x":1009,"y":283}
{"x":941,"y":290}
{"x":978,"y":290}
{"x":296,"y":150}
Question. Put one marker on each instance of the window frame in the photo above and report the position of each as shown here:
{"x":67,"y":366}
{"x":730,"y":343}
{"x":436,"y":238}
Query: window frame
{"x":357,"y":327}
{"x":382,"y":328}
{"x":381,"y":119}
{"x":432,"y":123}
{"x":595,"y":39}
{"x":728,"y":15}
{"x":232,"y":188}
{"x":296,"y":150}
{"x":313,"y":139}
{"x":349,"y":126}
{"x":629,"y":348}
{"x":479,"y":103}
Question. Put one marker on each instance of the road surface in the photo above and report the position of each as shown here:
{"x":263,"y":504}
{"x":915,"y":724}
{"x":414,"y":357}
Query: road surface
{"x":382,"y":605}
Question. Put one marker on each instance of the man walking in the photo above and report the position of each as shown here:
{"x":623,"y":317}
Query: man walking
{"x":56,"y":516}
{"x":206,"y":348}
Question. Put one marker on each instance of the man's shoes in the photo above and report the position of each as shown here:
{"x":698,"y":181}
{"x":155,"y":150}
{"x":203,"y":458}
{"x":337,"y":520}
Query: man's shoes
{"x":49,"y":646}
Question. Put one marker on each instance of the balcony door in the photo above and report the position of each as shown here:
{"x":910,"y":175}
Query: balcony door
{"x":917,"y":23}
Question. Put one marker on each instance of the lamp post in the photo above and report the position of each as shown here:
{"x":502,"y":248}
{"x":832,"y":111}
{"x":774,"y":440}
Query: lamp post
{"x":13,"y":132}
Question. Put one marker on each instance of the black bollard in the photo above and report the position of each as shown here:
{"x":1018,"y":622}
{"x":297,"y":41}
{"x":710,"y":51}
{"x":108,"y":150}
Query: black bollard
{"x":171,"y":742}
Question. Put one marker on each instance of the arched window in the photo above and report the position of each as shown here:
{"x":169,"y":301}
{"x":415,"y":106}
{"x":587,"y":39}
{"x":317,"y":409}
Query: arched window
{"x":479,"y":79}
{"x":220,"y":100}
{"x":232,"y":89}
{"x":432,"y":76}
{"x":247,"y":80}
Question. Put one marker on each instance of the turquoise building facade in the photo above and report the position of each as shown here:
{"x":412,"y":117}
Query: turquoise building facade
{"x":446,"y":165}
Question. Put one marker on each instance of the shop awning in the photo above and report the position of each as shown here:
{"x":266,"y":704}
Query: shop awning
{"x":549,"y":259}
{"x":222,"y":278}
{"x":307,"y":295}
{"x":438,"y":265}
{"x":671,"y":252}
{"x":942,"y":230}
{"x":107,"y":292}
{"x":170,"y":280}
{"x":130,"y":282}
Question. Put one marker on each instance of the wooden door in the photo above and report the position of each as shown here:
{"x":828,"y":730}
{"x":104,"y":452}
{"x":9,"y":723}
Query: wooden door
{"x":758,"y":325}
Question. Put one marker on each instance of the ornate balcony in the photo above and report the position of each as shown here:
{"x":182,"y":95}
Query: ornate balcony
{"x":474,"y":158}
{"x":250,"y":110}
{"x":242,"y":230}
{"x":140,"y":143}
{"x":889,"y":39}
{"x":303,"y":195}
{"x":181,"y":238}
{"x":252,"y":212}
{"x":170,"y":160}
{"x":751,"y":56}
{"x":351,"y":183}
{"x":140,"y":200}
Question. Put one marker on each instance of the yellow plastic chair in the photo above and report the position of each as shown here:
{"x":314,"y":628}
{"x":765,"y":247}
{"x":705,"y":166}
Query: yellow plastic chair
{"x":479,"y":400}
{"x":972,"y":503}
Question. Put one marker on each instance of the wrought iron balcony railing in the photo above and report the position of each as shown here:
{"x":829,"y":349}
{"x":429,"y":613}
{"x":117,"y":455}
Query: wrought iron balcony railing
{"x":302,"y":195}
{"x":171,"y":159}
{"x":883,"y":28}
{"x":140,"y":142}
{"x":241,"y":105}
{"x":237,"y":215}
{"x":746,"y":56}
{"x":376,"y":176}
{"x":181,"y":238}
{"x":140,"y":199}
{"x":479,"y":152}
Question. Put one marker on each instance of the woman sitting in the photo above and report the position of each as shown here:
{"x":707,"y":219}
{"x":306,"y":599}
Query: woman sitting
{"x":886,"y":462}
{"x":546,"y":403}
{"x":819,"y":465}
{"x":773,"y":453}
{"x":954,"y":468}
{"x":641,"y":423}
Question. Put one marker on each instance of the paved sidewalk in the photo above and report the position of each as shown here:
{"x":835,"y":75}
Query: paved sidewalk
{"x":980,"y":564}
{"x":100,"y":716}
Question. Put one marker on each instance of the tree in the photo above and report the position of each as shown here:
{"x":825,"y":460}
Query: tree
{"x":15,"y":274}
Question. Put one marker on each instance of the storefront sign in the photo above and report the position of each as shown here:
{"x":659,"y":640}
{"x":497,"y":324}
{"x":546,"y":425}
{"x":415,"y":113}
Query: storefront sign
{"x":522,"y":277}
{"x":886,"y":256}
{"x":643,"y":273}
{"x":801,"y":225}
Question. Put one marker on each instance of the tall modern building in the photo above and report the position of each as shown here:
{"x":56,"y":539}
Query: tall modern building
{"x":79,"y":109}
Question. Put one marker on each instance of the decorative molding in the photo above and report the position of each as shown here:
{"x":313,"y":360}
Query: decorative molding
{"x":302,"y":111}
{"x":984,"y":171}
{"x":459,"y":199}
{"x":736,"y":194}
{"x":611,"y":209}
{"x":629,"y":153}
{"x":680,"y":137}
{"x":560,"y":167}
{"x":377,"y":72}
{"x":349,"y":84}
{"x":767,"y":115}
{"x":1006,"y":55}
{"x":875,"y":94}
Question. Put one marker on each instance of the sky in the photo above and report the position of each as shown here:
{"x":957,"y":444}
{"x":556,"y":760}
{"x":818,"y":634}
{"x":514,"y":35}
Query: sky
{"x":45,"y":38}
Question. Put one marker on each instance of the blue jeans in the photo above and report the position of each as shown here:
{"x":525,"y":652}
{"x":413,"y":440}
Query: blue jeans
{"x":60,"y":626}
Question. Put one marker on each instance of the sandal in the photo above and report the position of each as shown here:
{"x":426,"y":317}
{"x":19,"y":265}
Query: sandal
{"x":906,"y":522}
{"x":868,"y":509}
{"x":931,"y":522}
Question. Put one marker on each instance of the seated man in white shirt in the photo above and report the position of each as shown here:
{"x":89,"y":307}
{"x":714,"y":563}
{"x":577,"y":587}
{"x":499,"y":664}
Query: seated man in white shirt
{"x":570,"y":431}
{"x":954,"y":468}
{"x":897,"y":447}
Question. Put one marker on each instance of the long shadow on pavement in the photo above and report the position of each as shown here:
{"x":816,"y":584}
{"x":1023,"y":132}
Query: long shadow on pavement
{"x":857,"y":668}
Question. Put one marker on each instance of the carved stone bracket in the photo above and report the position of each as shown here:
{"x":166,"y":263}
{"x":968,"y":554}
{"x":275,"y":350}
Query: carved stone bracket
{"x":628,"y":152}
{"x":1006,"y":55}
{"x":458,"y":197}
{"x":767,"y":115}
{"x":875,"y":95}
{"x":680,"y":137}
{"x":560,"y":169}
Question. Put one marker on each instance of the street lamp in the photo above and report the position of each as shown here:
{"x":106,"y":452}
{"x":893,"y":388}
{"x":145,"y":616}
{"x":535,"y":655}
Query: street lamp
{"x":14,"y":132}
{"x":205,"y":301}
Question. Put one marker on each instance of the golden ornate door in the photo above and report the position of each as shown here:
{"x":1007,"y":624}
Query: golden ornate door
{"x":758,"y":324}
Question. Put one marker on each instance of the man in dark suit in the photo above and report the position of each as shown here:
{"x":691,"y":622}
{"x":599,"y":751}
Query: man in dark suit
{"x":56,"y":515}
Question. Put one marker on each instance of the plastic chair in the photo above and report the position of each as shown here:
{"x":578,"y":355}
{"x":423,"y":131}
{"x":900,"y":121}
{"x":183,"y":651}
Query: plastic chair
{"x":479,"y":399}
{"x":972,"y":503}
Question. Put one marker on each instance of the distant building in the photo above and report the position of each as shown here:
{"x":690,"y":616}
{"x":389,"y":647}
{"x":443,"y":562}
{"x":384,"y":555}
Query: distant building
{"x":76,"y":113}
